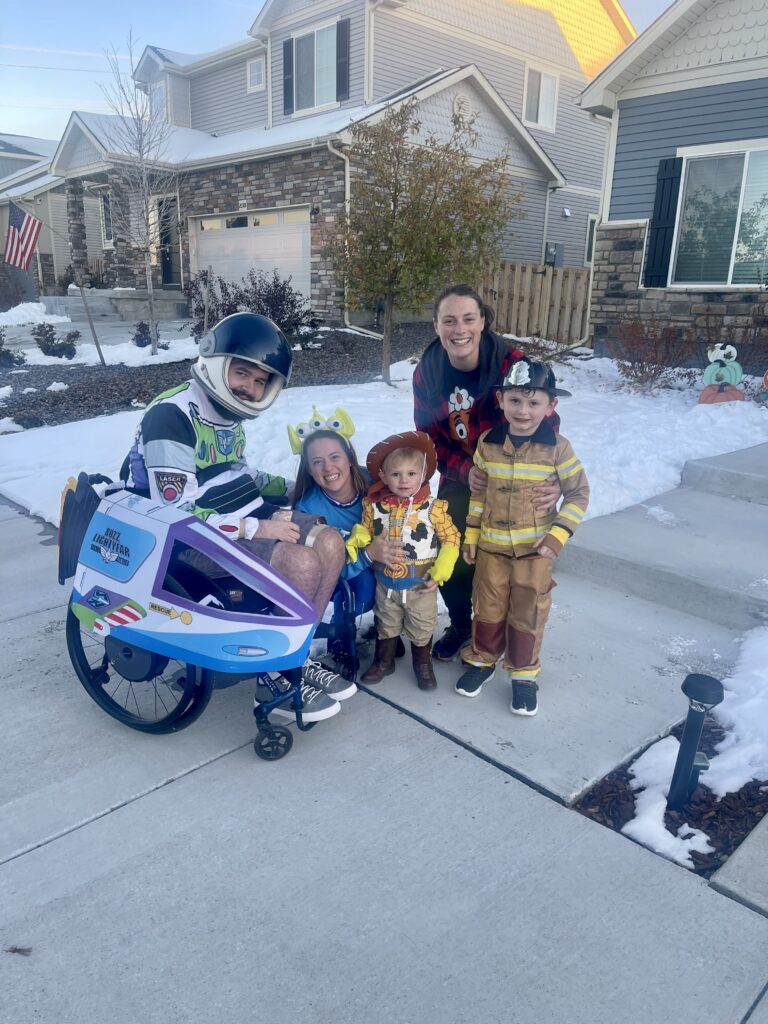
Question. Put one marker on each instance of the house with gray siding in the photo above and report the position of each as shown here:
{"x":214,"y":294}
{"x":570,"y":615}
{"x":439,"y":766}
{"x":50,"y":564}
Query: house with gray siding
{"x":25,"y":179}
{"x":258,"y":129}
{"x":683,"y":233}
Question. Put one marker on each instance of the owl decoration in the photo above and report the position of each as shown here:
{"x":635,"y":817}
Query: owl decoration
{"x":340,"y":422}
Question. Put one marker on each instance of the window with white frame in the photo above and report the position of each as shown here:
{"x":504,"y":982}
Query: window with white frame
{"x":315,"y":64}
{"x":540,"y":98}
{"x":257,"y":76}
{"x":722,"y":229}
{"x":107,"y":237}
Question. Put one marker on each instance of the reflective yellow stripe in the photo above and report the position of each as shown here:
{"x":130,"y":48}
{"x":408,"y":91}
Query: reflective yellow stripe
{"x":524,"y":673}
{"x":472,"y":535}
{"x":572,"y":512}
{"x":476,"y":508}
{"x":514,"y":536}
{"x":564,"y":475}
{"x":559,"y":534}
{"x":518,"y":470}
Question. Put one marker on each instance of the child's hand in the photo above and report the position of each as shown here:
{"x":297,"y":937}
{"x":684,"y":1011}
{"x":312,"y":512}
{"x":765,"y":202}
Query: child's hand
{"x":546,"y":552}
{"x":469,"y":552}
{"x":428,"y":584}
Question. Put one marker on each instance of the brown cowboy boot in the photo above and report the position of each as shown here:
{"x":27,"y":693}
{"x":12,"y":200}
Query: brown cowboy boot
{"x":383,"y":661}
{"x":422,"y":666}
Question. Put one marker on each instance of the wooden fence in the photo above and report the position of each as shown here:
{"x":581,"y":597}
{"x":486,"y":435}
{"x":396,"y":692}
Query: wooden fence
{"x":533,"y":300}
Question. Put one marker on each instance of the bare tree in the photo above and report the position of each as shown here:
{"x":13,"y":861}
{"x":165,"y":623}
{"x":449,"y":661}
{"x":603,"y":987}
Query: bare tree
{"x":139,"y":139}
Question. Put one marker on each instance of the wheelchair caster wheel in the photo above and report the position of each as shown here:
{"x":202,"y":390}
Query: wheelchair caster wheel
{"x":273,"y":743}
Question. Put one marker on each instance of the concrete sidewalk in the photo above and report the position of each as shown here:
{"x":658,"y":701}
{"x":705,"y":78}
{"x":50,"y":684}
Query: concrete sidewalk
{"x":397,"y":866}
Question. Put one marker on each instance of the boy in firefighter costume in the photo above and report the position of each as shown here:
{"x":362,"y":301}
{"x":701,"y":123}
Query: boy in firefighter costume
{"x":400,"y":507}
{"x":511,"y":544}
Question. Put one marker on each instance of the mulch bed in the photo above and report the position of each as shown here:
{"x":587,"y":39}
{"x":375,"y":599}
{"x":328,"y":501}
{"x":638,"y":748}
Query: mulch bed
{"x":727,"y":822}
{"x":343,"y":358}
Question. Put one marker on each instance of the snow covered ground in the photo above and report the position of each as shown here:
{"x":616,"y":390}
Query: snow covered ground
{"x":30,"y":313}
{"x":633,"y":446}
{"x":124,"y":352}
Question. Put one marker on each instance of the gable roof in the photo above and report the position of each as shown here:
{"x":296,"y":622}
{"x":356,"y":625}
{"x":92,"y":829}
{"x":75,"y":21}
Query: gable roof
{"x":186,"y":63}
{"x":26,"y":146}
{"x":594,"y":31}
{"x":189,"y":148}
{"x":601,"y":95}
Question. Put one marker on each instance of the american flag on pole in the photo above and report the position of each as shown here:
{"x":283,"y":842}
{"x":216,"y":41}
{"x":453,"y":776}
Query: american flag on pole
{"x":23,"y":232}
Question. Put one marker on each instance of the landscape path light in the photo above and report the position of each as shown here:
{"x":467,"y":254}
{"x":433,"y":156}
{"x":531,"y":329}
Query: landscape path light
{"x":703,"y":693}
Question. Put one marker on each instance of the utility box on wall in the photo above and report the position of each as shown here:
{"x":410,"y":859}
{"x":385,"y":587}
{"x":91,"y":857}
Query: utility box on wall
{"x":553,"y":254}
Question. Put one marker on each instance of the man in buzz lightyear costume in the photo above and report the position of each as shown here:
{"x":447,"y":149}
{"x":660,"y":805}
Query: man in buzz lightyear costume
{"x":189,"y":451}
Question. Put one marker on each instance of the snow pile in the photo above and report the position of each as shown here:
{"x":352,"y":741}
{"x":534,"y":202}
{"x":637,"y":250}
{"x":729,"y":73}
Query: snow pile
{"x":743,"y":754}
{"x":124,"y":352}
{"x":5,"y":392}
{"x":30,"y":313}
{"x":57,"y":386}
{"x":7,"y":426}
{"x":652,"y":774}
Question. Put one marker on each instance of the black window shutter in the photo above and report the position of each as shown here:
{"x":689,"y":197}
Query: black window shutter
{"x":342,"y":59}
{"x":288,"y":76}
{"x":662,"y":226}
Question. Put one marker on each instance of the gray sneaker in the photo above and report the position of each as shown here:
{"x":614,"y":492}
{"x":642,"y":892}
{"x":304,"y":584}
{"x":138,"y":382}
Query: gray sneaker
{"x":317,"y":704}
{"x":317,"y":674}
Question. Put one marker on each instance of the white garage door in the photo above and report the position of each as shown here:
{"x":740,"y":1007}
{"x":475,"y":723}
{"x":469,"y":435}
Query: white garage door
{"x":232,"y":244}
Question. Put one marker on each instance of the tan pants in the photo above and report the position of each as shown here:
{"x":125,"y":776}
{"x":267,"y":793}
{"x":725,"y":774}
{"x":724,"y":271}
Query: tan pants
{"x":414,"y":611}
{"x":511,"y":598}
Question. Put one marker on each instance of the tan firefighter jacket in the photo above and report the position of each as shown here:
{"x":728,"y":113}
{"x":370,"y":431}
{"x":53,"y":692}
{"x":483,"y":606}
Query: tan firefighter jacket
{"x":503,"y":519}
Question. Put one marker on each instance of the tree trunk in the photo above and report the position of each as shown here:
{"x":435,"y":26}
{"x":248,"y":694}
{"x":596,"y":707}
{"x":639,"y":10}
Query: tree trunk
{"x":386,"y":343}
{"x":151,"y":300}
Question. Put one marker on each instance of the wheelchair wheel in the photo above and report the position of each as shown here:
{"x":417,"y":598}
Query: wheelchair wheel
{"x":273,"y":743}
{"x":145,"y":691}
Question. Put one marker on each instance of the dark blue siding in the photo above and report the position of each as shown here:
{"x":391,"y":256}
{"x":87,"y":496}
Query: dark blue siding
{"x":652,"y":127}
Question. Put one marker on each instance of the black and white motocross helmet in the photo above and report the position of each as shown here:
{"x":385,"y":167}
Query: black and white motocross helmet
{"x":246,"y":336}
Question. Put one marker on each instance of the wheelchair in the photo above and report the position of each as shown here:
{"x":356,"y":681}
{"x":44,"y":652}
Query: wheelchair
{"x":150,"y":636}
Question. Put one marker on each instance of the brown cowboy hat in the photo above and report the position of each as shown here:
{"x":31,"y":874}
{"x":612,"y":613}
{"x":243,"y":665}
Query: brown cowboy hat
{"x":409,"y":439}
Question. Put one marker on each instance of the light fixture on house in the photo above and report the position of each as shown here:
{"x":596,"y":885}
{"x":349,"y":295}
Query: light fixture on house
{"x":566,"y":211}
{"x":314,"y":212}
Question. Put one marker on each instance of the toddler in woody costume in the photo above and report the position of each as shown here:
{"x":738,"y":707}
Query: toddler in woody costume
{"x":400,"y":507}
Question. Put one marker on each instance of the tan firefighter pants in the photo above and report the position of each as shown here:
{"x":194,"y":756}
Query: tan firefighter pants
{"x":511,"y":598}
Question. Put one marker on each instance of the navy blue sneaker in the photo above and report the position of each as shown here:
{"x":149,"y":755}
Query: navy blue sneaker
{"x":450,"y":643}
{"x":524,"y":700}
{"x":470,"y":684}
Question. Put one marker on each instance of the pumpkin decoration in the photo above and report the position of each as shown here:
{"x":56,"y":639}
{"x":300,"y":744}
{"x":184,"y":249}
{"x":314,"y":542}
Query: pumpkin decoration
{"x":721,"y":372}
{"x":714,"y":393}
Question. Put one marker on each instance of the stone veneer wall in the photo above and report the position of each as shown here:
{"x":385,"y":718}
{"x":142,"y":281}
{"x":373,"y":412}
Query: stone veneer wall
{"x":617,"y":295}
{"x":76,"y":227}
{"x":315,"y":177}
